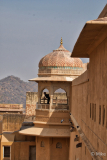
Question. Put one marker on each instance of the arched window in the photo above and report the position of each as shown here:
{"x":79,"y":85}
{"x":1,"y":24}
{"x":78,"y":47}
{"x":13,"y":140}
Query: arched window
{"x":60,"y":97}
{"x":58,"y":145}
{"x":45,"y":98}
{"x":42,"y":144}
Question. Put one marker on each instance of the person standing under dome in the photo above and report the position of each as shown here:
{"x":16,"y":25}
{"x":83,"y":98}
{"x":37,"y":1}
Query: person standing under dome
{"x":46,"y":97}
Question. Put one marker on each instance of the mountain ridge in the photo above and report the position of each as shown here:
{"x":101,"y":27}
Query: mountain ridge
{"x":13,"y":90}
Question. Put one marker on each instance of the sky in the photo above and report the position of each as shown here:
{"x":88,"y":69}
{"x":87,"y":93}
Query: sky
{"x":30,"y":29}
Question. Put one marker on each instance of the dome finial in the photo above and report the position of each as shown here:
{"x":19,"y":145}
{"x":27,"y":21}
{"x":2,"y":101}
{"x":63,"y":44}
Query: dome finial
{"x":61,"y":42}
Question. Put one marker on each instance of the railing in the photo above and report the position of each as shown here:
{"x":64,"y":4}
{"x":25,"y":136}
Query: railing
{"x":54,"y":106}
{"x":60,"y":106}
{"x":44,"y":101}
{"x":58,"y":101}
{"x":42,"y":106}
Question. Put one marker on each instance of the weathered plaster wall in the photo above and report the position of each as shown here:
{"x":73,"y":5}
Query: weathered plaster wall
{"x":11,"y":108}
{"x":12,"y":122}
{"x":88,"y":97}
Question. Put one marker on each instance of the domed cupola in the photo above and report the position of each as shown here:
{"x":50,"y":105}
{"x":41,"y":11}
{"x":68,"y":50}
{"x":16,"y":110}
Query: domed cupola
{"x":60,"y":63}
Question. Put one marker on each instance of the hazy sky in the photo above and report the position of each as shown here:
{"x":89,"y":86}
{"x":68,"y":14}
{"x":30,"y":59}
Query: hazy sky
{"x":30,"y":29}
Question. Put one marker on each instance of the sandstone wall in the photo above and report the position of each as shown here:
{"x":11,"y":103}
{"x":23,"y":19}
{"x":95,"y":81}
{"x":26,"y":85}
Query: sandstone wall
{"x":12,"y":106}
{"x":55,"y":117}
{"x":45,"y":147}
{"x":49,"y":151}
{"x":21,"y":150}
{"x":89,"y":103}
{"x":12,"y":122}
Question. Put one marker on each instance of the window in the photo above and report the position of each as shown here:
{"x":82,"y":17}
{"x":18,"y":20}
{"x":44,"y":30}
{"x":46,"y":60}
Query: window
{"x":57,"y":98}
{"x":99,"y":114}
{"x":103,"y":115}
{"x":90,"y":110}
{"x":106,"y":117}
{"x":6,"y":151}
{"x":95,"y":113}
{"x":58,"y":145}
{"x":42,"y":144}
{"x":85,"y":150}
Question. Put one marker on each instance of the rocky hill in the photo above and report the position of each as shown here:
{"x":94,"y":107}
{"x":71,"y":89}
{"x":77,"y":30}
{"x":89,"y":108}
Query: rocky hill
{"x":13,"y":90}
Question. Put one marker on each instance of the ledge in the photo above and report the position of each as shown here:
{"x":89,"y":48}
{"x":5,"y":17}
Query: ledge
{"x":52,"y":110}
{"x":45,"y":132}
{"x":51,"y":123}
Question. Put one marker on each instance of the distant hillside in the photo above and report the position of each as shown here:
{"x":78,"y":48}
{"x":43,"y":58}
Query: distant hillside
{"x":13,"y":90}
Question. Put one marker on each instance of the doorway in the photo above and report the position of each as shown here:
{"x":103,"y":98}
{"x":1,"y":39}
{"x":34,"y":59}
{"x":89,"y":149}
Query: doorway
{"x":32,"y":152}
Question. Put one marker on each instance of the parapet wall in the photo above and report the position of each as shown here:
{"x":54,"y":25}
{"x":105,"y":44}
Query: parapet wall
{"x":11,"y":109}
{"x":52,"y":116}
{"x":12,"y":106}
{"x":12,"y":122}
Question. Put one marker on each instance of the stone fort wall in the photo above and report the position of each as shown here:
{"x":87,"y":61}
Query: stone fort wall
{"x":89,"y":108}
{"x":11,"y":108}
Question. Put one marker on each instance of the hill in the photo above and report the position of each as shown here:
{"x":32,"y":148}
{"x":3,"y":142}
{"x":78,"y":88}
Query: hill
{"x":13,"y":90}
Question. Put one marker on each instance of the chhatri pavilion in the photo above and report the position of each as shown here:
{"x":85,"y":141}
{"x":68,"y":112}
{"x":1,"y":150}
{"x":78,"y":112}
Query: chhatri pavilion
{"x":52,"y":124}
{"x":56,"y":70}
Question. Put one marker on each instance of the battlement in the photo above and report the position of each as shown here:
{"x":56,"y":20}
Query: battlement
{"x":11,"y":108}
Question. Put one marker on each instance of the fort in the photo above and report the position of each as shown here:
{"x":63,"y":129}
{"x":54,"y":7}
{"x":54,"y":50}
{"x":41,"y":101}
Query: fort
{"x":71,"y":125}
